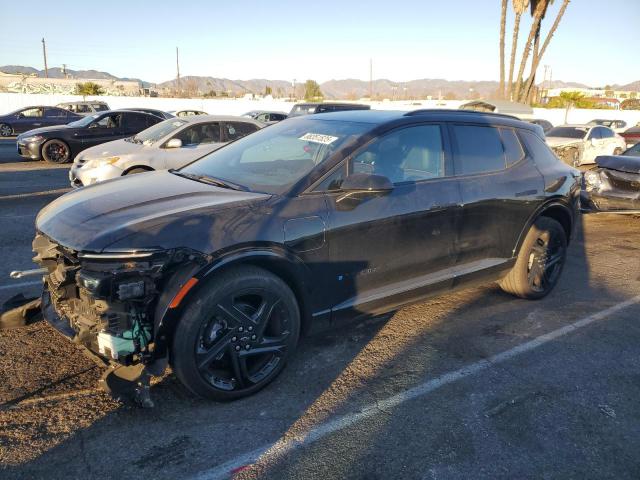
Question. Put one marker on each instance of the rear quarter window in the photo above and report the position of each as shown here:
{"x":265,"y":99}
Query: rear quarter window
{"x":538,"y":150}
{"x":512,"y":147}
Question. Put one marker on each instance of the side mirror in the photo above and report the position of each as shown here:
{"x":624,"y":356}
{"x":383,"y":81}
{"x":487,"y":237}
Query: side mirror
{"x":93,"y":125}
{"x":174,"y":143}
{"x":366,"y":183}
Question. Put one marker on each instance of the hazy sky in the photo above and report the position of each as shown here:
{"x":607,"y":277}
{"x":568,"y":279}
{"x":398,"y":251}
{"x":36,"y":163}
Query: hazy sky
{"x":596,"y":42}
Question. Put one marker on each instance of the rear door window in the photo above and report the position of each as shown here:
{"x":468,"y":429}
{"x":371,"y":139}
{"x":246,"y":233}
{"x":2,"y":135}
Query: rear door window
{"x":235,"y":130}
{"x":56,"y":113}
{"x":135,"y":122}
{"x":477,"y":149}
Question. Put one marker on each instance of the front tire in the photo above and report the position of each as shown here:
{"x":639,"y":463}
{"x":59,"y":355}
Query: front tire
{"x":236,"y":334}
{"x":540,"y":261}
{"x":56,"y":151}
{"x":5,"y":130}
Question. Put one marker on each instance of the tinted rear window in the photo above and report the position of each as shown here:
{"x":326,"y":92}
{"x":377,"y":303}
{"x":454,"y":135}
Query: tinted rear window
{"x":538,"y":149}
{"x":512,"y":148}
{"x":478,"y":149}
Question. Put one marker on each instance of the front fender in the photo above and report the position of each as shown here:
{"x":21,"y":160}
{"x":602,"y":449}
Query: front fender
{"x":272,"y":257}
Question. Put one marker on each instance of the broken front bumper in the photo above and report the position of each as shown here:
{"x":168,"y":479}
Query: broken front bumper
{"x":610,"y":191}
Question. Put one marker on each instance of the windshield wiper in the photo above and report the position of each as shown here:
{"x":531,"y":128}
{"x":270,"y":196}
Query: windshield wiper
{"x":209,"y":180}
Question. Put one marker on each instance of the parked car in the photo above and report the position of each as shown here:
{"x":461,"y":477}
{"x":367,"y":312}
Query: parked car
{"x":310,"y":108}
{"x":219,"y":266}
{"x":580,"y":144}
{"x":617,"y":126}
{"x":613,"y":185}
{"x":33,"y":117}
{"x":266,"y":116}
{"x":170,"y":144}
{"x":153,"y":111}
{"x":545,"y":124}
{"x":84,"y":108}
{"x":631,"y":135}
{"x":189,"y":113}
{"x":60,"y":144}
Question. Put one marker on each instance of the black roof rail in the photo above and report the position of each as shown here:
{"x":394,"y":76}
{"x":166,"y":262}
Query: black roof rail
{"x":424,"y":111}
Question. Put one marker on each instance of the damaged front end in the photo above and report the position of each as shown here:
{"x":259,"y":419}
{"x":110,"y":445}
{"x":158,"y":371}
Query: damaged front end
{"x":570,"y":153}
{"x":612,"y":186}
{"x":113,"y":304}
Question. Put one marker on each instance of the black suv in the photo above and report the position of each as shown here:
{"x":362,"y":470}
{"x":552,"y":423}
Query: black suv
{"x":325,"y":107}
{"x":219,"y":266}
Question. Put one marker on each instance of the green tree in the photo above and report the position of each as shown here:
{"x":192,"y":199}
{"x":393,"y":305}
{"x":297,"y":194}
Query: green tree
{"x":267,"y":90}
{"x":312,"y":91}
{"x":88,"y":88}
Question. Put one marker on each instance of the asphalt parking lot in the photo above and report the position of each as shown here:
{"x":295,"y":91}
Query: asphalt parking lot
{"x":476,"y":384}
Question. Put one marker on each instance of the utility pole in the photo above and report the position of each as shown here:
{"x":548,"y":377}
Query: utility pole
{"x":177,"y":70}
{"x":44,"y":53}
{"x":64,"y":70}
{"x":371,"y":79}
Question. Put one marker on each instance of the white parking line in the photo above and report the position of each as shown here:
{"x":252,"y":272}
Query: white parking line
{"x":21,"y":284}
{"x":35,"y":194}
{"x":282,"y":447}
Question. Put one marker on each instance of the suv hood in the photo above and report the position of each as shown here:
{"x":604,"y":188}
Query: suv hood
{"x":149,"y":210}
{"x":562,"y":141}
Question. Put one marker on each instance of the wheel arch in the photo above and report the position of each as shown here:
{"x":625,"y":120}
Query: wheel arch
{"x":141,"y":167}
{"x":555,"y":209}
{"x":274,"y":260}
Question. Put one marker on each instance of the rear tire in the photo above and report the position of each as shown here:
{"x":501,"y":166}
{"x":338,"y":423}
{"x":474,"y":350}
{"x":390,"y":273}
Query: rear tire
{"x":56,"y":151}
{"x":236,"y":334}
{"x":617,"y":151}
{"x":5,"y":130}
{"x":540,"y":261}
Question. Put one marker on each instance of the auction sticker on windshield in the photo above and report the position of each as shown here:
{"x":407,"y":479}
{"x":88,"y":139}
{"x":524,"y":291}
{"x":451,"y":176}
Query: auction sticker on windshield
{"x":318,"y":138}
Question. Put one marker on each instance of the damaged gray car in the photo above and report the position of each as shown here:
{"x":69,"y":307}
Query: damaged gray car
{"x":613,"y":185}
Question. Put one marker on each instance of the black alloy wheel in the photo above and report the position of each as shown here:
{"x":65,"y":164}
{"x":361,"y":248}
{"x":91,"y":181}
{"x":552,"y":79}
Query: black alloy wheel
{"x":56,"y":151}
{"x":237,"y":335}
{"x":544,"y":265}
{"x":539,"y":262}
{"x":5,"y":130}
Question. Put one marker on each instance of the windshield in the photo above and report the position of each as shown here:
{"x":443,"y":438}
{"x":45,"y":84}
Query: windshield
{"x":159,"y":131}
{"x":84,"y":122}
{"x":275,"y":158}
{"x":567,"y":132}
{"x":633,"y":151}
{"x":302,"y":110}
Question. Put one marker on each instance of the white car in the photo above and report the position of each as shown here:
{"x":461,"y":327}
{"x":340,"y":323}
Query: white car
{"x":581,"y":144}
{"x":617,"y":126}
{"x":169,"y":144}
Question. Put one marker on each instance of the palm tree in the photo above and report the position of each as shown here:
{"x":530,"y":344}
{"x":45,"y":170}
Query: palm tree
{"x":536,"y":59}
{"x":519,"y":6}
{"x":503,"y":23}
{"x":538,"y":9}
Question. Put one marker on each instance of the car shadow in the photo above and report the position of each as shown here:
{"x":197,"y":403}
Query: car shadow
{"x":332,"y":373}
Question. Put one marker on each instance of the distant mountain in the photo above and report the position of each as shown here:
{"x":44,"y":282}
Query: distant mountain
{"x":57,"y":72}
{"x":332,"y":89}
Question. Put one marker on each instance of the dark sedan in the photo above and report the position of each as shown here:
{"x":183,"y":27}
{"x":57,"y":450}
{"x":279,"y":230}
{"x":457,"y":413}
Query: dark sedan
{"x":62,"y":143}
{"x":29,"y":118}
{"x":219,"y":266}
{"x":158,"y":113}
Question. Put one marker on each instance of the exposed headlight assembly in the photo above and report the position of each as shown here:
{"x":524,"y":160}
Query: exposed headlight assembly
{"x":32,"y":139}
{"x":592,"y":181}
